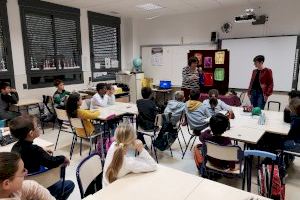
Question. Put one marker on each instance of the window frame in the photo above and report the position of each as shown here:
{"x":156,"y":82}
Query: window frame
{"x":109,"y":21}
{"x":6,"y":33}
{"x":54,"y":11}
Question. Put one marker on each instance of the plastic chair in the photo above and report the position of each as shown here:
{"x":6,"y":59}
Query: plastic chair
{"x":87,"y":171}
{"x":62,"y":116}
{"x":232,"y":153}
{"x":46,"y":101}
{"x":249,"y":154}
{"x":48,"y":177}
{"x":152,"y":133}
{"x":76,"y":123}
{"x":274,"y":102}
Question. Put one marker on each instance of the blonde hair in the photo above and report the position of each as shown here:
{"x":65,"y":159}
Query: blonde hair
{"x":124,"y":137}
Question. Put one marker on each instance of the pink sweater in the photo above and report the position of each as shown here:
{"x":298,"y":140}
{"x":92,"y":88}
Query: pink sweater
{"x":31,"y":190}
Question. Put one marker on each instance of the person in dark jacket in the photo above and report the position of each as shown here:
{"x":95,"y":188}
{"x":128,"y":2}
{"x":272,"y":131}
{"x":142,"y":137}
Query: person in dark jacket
{"x":261,"y":84}
{"x":292,"y":141}
{"x":35,"y":158}
{"x":8,"y":96}
{"x":147,"y":112}
{"x":287,"y":115}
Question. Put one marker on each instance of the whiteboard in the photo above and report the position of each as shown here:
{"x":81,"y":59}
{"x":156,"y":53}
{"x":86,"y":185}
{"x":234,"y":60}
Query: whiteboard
{"x":279,"y":55}
{"x":174,"y":59}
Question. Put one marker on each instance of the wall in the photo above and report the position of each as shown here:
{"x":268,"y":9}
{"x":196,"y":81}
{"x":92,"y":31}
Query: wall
{"x":197,"y":27}
{"x":18,"y":51}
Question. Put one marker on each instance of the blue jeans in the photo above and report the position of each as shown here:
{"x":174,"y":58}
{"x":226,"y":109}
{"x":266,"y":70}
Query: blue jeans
{"x":257,"y":99}
{"x":291,"y":145}
{"x":55,"y":189}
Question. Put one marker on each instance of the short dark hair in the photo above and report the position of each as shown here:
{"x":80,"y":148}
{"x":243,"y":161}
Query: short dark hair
{"x":213,"y":92}
{"x":146,"y":92}
{"x":21,"y":126}
{"x":193,"y":60}
{"x":219,"y":123}
{"x":57,"y":82}
{"x":195,"y":94}
{"x":213,"y":101}
{"x":101,"y":86}
{"x":295,"y":106}
{"x":4,"y":85}
{"x":294,"y":93}
{"x":9,"y":164}
{"x":259,"y":58}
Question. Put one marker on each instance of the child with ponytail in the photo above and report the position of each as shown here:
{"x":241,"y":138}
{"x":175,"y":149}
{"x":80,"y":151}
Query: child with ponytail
{"x":118,"y":163}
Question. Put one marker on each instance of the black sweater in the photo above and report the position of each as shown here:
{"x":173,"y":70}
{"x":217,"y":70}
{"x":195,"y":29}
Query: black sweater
{"x":147,"y":112}
{"x":34,"y":156}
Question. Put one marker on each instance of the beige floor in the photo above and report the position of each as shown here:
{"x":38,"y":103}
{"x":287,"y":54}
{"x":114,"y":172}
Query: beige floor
{"x":186,"y":165}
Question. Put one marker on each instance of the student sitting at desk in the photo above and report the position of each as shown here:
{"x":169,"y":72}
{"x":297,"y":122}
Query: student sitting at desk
{"x":292,"y":141}
{"x":175,"y":107}
{"x":196,"y":113}
{"x":118,"y":163}
{"x":147,"y":112}
{"x":8,"y":96}
{"x":60,"y":94}
{"x":73,"y":110}
{"x":287,"y":115}
{"x":12,"y":184}
{"x":218,"y":123}
{"x":220,"y":106}
{"x":25,"y":129}
{"x":104,"y":96}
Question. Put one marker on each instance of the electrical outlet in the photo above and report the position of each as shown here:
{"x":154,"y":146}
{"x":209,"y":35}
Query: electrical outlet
{"x":25,"y":86}
{"x":90,"y":79}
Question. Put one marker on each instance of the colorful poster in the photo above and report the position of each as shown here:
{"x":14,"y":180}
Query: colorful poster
{"x":208,"y":62}
{"x":208,"y":79}
{"x":219,"y":74}
{"x":199,"y":57}
{"x":157,"y":56}
{"x":220,"y":57}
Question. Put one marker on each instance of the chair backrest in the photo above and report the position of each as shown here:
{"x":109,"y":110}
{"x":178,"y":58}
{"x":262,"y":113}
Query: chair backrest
{"x":47,"y":177}
{"x":87,"y":170}
{"x":48,"y":100}
{"x":61,"y":114}
{"x":76,"y":123}
{"x":262,"y":154}
{"x":227,"y":153}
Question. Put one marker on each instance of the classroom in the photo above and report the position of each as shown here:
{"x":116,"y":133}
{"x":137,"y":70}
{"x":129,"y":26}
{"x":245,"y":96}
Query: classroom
{"x":148,"y":99}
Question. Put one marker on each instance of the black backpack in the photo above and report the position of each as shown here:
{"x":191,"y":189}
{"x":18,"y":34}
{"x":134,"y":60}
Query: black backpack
{"x":167,"y":134}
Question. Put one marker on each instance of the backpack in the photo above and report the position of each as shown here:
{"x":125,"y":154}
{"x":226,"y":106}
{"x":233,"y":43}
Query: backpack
{"x":198,"y":157}
{"x":278,"y":187}
{"x":167,"y":134}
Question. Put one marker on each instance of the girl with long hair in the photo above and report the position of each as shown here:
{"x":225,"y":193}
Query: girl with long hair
{"x":12,"y":184}
{"x":118,"y":162}
{"x":74,"y":111}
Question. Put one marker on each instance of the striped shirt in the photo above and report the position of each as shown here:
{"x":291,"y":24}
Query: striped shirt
{"x":187,"y":78}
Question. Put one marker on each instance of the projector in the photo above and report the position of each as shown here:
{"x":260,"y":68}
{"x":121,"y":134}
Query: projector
{"x":245,"y":18}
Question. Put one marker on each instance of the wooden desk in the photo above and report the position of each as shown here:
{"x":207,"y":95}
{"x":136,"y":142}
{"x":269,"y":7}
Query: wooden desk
{"x":118,"y":109}
{"x":38,"y":141}
{"x":211,"y":190}
{"x":28,"y":102}
{"x":169,"y":184}
{"x":245,"y":134}
{"x":163,"y":91}
{"x":163,"y":184}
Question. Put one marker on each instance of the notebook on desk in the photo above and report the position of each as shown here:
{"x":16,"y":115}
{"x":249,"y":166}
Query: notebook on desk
{"x":165,"y":85}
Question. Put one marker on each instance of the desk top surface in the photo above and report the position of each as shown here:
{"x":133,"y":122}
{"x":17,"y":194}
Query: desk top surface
{"x":167,"y":183}
{"x":27,"y":102}
{"x":117,"y":109}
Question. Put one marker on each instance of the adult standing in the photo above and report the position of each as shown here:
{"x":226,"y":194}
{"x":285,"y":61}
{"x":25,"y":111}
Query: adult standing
{"x":261,"y":84}
{"x":190,"y":77}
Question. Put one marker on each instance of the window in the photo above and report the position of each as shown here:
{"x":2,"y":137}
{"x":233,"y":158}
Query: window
{"x":105,"y":46}
{"x":6,"y":64}
{"x":52,"y":43}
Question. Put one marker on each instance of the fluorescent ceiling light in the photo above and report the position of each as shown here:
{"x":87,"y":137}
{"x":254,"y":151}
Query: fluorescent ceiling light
{"x":149,"y":6}
{"x":150,"y":18}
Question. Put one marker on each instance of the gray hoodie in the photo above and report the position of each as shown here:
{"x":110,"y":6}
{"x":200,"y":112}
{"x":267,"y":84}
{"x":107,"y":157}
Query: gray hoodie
{"x":176,"y":108}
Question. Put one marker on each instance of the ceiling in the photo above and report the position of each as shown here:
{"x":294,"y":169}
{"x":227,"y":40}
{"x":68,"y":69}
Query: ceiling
{"x":127,"y":8}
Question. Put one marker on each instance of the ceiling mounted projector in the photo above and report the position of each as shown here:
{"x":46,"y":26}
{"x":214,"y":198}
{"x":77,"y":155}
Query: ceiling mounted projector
{"x":246,"y":18}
